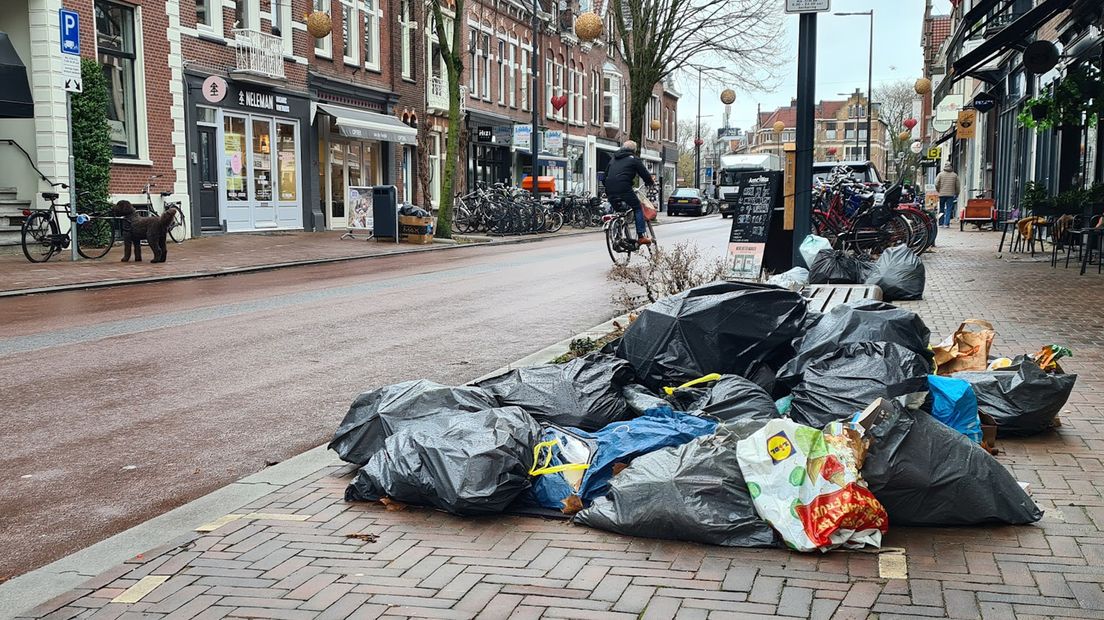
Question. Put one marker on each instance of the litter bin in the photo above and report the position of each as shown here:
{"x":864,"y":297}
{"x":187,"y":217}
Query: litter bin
{"x":385,"y":212}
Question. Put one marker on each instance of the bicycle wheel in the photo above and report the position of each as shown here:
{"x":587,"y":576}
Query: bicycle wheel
{"x":177,"y":231}
{"x":553,"y":221}
{"x":614,"y":234}
{"x":920,"y":238}
{"x":95,"y":237}
{"x":461,"y":218}
{"x":39,"y":234}
{"x":874,"y":240}
{"x":652,"y":247}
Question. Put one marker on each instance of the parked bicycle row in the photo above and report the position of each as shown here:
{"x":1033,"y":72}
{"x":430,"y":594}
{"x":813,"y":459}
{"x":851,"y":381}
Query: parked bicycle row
{"x":502,"y":210}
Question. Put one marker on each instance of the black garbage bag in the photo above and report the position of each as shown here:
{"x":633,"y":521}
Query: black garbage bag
{"x":375,"y":415}
{"x":640,"y":399}
{"x":836,"y":267}
{"x":864,"y":320}
{"x":846,"y":381}
{"x":731,"y":397}
{"x":411,"y":210}
{"x":724,"y":327}
{"x":927,"y":474}
{"x":583,"y":393}
{"x":899,"y":272}
{"x":1023,"y":399}
{"x":692,"y":492}
{"x":476,"y":463}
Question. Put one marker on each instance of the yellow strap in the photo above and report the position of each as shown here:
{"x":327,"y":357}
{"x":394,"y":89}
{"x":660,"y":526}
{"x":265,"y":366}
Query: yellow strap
{"x":541,"y":468}
{"x":706,"y":379}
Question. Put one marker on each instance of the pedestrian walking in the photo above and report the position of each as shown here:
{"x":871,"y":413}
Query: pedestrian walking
{"x":947,"y":186}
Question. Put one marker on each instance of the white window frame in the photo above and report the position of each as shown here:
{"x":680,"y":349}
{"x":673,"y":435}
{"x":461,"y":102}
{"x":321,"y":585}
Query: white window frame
{"x":526,"y":80}
{"x":280,"y":17}
{"x":485,"y":50}
{"x":142,"y":158}
{"x":323,"y":48}
{"x":500,"y":58}
{"x":549,"y":85}
{"x":613,"y":95}
{"x":473,"y":62}
{"x":350,"y":33}
{"x":512,"y":71}
{"x":374,"y":17}
{"x":214,"y":15}
{"x":407,"y":26}
{"x":251,"y":16}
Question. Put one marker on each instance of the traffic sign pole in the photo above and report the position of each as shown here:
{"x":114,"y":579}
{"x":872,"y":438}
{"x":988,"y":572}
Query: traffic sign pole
{"x":69,"y":24}
{"x":72,"y":178}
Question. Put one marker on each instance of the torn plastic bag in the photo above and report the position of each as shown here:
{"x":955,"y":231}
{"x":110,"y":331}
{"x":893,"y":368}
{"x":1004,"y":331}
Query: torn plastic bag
{"x":795,"y":279}
{"x":844,"y":382}
{"x":725,"y":327}
{"x":926,"y":474}
{"x":476,"y":463}
{"x":640,"y":399}
{"x":806,"y":484}
{"x":583,"y":393}
{"x":954,"y":404}
{"x":729,"y":397}
{"x":375,"y":415}
{"x":1022,"y":398}
{"x":835,"y":267}
{"x":864,"y":320}
{"x":812,"y":245}
{"x":620,"y":442}
{"x":899,"y":272}
{"x":692,"y":492}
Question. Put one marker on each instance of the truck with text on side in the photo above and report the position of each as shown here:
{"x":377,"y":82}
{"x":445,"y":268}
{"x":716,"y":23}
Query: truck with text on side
{"x":728,"y":175}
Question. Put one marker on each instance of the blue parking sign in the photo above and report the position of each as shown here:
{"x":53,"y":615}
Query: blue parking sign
{"x":70,"y":32}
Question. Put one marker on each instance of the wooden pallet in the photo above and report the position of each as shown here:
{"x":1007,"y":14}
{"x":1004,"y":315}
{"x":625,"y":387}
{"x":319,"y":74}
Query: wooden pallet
{"x":824,"y":297}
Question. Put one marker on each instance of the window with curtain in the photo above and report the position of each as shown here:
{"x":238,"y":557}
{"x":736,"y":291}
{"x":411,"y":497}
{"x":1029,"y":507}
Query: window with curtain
{"x":115,"y":47}
{"x":371,"y":19}
{"x":323,"y":47}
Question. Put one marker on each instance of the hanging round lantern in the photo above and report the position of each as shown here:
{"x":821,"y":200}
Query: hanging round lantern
{"x":728,"y":96}
{"x":655,"y":125}
{"x":909,"y":123}
{"x":698,"y":142}
{"x":904,"y":136}
{"x":588,"y":26}
{"x":923,"y":86}
{"x":832,"y":150}
{"x":779,"y":126}
{"x":319,"y":24}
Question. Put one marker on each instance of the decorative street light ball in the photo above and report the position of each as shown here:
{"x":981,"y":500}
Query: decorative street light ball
{"x":779,"y":126}
{"x":923,"y":86}
{"x":832,"y":150}
{"x":904,"y":136}
{"x":728,"y":96}
{"x":588,"y":26}
{"x":655,"y":124}
{"x":698,"y":142}
{"x":319,"y":24}
{"x":909,"y":123}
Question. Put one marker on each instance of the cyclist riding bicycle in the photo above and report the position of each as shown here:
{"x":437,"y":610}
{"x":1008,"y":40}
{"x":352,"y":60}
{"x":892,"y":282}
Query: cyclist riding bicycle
{"x":622,"y":171}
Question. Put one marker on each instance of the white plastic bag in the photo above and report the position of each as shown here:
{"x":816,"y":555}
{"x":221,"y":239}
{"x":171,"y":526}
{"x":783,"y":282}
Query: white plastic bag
{"x":794,"y":279}
{"x":806,"y":484}
{"x":811,"y":246}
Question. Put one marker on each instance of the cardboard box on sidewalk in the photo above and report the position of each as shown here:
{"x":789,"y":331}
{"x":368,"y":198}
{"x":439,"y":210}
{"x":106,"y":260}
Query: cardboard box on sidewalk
{"x":416,"y":230}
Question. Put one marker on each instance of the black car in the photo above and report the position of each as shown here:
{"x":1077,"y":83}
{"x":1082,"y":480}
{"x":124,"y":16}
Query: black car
{"x":686,"y":200}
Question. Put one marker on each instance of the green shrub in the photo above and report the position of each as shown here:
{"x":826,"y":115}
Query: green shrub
{"x":92,"y":137}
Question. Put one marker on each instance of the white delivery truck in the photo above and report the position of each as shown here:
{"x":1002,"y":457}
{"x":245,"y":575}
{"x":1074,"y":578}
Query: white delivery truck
{"x":731,"y":165}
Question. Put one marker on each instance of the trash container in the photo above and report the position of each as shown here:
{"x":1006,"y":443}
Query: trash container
{"x":385,"y":212}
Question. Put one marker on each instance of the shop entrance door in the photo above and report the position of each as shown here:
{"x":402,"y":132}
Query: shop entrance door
{"x":208,"y":178}
{"x":261,"y":177}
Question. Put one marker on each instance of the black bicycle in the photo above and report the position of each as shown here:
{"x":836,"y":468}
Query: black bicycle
{"x":41,"y":233}
{"x":177,"y":228}
{"x":621,"y":238}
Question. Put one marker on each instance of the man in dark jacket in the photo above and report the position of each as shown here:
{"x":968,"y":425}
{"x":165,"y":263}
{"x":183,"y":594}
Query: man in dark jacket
{"x":620,"y":175}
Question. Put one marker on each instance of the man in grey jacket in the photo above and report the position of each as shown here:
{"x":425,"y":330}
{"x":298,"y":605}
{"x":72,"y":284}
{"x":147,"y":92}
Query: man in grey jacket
{"x":947,"y":186}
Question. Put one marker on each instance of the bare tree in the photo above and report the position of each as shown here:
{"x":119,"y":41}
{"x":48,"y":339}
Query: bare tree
{"x":450,"y":50}
{"x":732,"y":41}
{"x":896,"y":104}
{"x":685,"y":135}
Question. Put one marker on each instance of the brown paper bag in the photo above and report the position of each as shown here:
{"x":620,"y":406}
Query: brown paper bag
{"x":965,"y":350}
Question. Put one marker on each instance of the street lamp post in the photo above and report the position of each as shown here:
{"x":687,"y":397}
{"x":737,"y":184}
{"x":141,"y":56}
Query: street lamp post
{"x":698,"y":138}
{"x":869,"y":79}
{"x":534,"y":138}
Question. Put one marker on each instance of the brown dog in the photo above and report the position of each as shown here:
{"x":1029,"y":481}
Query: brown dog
{"x":136,"y":228}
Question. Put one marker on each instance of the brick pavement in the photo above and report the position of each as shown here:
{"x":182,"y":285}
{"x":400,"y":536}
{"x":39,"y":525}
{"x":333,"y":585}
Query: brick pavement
{"x":420,"y":563}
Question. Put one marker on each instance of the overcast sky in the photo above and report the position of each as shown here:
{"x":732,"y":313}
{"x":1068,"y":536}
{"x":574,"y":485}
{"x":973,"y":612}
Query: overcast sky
{"x":842,"y":44}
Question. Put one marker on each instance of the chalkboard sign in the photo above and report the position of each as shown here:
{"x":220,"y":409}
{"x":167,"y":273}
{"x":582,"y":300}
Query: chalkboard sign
{"x":758,"y":194}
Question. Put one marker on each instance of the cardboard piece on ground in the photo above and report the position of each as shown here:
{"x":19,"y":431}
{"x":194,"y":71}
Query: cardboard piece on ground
{"x":416,"y":230}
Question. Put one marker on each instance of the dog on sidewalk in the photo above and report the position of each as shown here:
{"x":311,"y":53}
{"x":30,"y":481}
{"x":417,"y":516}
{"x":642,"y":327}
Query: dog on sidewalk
{"x":136,"y":228}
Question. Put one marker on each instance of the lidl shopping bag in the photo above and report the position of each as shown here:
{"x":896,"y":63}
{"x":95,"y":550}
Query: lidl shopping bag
{"x":806,"y":484}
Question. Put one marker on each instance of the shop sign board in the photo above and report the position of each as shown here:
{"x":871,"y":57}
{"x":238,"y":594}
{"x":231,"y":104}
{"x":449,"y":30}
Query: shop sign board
{"x":358,"y":205}
{"x":522,"y":135}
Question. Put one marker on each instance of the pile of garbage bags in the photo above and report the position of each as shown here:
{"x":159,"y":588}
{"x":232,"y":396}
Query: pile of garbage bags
{"x":898,"y":271}
{"x":727,"y":414}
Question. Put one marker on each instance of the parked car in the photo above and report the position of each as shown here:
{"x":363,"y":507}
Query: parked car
{"x":863,"y":171}
{"x":686,"y":200}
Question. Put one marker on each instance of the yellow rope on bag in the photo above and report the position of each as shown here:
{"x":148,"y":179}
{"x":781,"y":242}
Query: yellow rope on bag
{"x":540,"y":468}
{"x":706,"y":379}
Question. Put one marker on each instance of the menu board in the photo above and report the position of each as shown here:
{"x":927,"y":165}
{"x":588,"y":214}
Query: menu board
{"x":758,"y":194}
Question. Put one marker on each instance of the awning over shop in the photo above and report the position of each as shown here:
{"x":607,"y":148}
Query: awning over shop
{"x":15,"y":90}
{"x":370,"y":125}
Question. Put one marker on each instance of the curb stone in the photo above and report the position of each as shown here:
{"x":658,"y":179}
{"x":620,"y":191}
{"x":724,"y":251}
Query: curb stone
{"x":178,"y":525}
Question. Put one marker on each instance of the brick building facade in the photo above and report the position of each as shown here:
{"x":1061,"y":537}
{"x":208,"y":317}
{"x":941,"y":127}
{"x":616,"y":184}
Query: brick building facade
{"x":254,"y":124}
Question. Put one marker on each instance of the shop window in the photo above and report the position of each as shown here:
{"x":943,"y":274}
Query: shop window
{"x":233,"y":131}
{"x":349,"y":37}
{"x":115,"y":46}
{"x":323,"y":47}
{"x":206,"y":115}
{"x":370,"y":10}
{"x":406,"y":18}
{"x":287,"y":169}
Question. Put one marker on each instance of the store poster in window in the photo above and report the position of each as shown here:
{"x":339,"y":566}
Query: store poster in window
{"x":360,"y":207}
{"x":234,"y":149}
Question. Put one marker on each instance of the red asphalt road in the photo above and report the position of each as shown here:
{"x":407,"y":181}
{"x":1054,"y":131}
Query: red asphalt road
{"x":123,"y":403}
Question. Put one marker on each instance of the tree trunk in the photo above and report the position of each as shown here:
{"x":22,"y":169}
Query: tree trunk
{"x":640,"y":91}
{"x":452,"y":145}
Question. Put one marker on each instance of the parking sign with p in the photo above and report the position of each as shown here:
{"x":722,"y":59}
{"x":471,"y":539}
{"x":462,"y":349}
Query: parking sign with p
{"x":70,"y":32}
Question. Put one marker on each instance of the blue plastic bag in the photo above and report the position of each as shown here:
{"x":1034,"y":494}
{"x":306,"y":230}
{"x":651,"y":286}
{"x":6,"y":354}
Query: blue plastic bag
{"x":955,"y":405}
{"x":620,"y":442}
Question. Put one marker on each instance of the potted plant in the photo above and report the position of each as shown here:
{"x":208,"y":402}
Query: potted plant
{"x":1071,"y":202}
{"x":1078,"y":99}
{"x":1035,"y":200}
